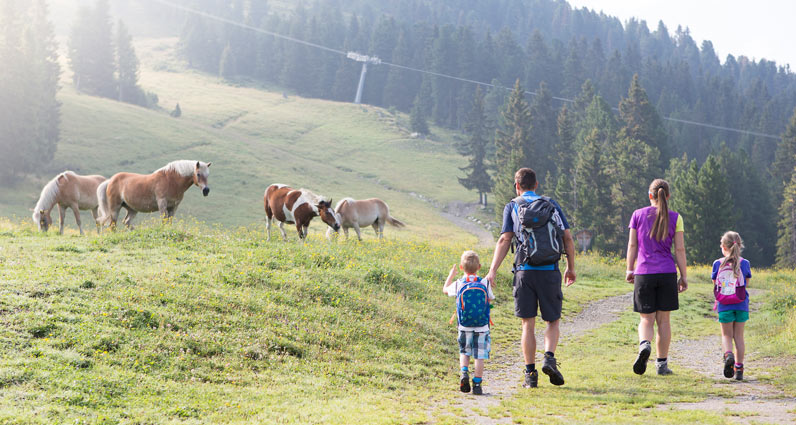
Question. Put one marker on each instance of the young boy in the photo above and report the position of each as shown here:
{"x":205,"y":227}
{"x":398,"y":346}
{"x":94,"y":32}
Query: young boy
{"x":473,"y":340}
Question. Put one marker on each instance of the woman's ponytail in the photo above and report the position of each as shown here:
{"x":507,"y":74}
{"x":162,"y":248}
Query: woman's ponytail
{"x":659,"y":190}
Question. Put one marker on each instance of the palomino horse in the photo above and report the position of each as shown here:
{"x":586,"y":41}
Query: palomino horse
{"x":68,"y":190}
{"x":287,"y":205}
{"x":368,"y":212}
{"x":160,"y":191}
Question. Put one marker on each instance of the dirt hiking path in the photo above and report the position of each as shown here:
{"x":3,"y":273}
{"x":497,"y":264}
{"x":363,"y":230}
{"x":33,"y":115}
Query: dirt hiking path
{"x":751,"y":401}
{"x":503,"y":376}
{"x":458,"y":213}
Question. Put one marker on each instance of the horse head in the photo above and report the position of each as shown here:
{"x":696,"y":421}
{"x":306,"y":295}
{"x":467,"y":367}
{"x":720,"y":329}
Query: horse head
{"x":42,"y":219}
{"x":200,"y":176}
{"x":327,"y":214}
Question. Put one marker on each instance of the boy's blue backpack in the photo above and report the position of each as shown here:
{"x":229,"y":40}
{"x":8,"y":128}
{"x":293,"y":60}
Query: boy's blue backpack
{"x":472,"y":304}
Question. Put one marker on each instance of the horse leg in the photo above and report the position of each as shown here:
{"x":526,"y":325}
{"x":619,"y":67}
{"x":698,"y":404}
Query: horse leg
{"x":76,"y":210}
{"x":62,"y":213}
{"x":299,"y":228}
{"x":282,"y":229}
{"x":378,"y":227}
{"x":128,"y":219}
{"x":268,"y":228}
{"x":345,"y":230}
{"x":163,"y":209}
{"x":356,"y":229}
{"x":306,"y":229}
{"x":94,"y":214}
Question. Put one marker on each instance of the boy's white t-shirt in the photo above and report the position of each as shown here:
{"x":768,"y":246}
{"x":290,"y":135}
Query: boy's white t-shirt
{"x":453,"y":289}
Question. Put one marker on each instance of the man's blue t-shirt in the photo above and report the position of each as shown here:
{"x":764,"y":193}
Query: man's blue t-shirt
{"x":512,"y":225}
{"x":746,"y":271}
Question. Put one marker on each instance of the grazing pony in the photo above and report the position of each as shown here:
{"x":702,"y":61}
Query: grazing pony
{"x":160,"y":191}
{"x":368,"y":212}
{"x":298,"y":207}
{"x":68,"y":190}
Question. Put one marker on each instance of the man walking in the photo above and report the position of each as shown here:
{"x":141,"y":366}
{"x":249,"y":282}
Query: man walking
{"x":529,"y":219}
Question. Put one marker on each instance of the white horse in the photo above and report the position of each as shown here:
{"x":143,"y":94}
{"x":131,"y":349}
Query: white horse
{"x":367,"y":212}
{"x":68,"y":190}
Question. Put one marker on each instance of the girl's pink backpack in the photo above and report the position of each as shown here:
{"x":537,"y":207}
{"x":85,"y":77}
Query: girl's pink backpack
{"x":728,"y":288}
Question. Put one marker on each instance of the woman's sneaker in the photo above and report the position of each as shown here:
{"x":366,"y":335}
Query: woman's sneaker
{"x":531,"y":379}
{"x":640,"y":365}
{"x":739,"y":373}
{"x":663,"y":368}
{"x":729,"y":364}
{"x":464,"y":383}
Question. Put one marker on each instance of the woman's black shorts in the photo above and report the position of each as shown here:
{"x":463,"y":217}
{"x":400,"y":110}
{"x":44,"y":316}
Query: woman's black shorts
{"x":655,"y":292}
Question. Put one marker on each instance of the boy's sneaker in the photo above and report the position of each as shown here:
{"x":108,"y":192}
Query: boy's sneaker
{"x":531,"y":379}
{"x":550,"y":369}
{"x":739,"y":373}
{"x":640,"y":365}
{"x":464,"y":383}
{"x":729,"y":364}
{"x":663,"y":368}
{"x":477,"y":388}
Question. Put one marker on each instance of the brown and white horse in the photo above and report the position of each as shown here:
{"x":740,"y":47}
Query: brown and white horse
{"x":298,"y":207}
{"x":368,"y":212}
{"x":68,"y":190}
{"x":160,"y":191}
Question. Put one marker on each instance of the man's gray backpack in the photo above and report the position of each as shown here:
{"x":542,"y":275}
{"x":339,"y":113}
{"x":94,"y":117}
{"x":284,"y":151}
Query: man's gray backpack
{"x":542,"y":241}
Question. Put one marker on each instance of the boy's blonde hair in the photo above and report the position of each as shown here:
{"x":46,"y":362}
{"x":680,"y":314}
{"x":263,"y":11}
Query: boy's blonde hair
{"x":470,"y":262}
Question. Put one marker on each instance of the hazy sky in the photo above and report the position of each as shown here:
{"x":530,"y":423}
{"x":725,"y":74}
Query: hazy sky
{"x":756,"y":29}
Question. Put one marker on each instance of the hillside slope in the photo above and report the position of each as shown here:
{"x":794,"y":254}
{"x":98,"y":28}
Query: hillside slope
{"x":253,"y":137}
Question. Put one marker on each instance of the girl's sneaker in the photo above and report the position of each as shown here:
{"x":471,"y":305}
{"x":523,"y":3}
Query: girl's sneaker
{"x":739,"y":373}
{"x":729,"y":363}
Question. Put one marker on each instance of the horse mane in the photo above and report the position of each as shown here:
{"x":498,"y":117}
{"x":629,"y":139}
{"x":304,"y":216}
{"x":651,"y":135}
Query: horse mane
{"x":340,"y":202}
{"x":312,"y":198}
{"x":183,"y":167}
{"x":50,"y":192}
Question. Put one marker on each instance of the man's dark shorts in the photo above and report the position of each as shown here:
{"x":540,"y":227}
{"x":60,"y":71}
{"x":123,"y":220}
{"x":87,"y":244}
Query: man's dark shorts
{"x":540,"y":288}
{"x":655,"y":292}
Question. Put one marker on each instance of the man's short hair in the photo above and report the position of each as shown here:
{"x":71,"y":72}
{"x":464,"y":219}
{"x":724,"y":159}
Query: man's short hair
{"x":526,"y":178}
{"x":470,"y":261}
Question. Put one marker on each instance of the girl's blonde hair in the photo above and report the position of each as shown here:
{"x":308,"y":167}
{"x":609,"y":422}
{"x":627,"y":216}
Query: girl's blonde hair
{"x":731,"y":241}
{"x":659,"y":190}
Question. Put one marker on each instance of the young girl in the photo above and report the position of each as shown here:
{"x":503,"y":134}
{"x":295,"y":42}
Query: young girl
{"x":731,"y":276}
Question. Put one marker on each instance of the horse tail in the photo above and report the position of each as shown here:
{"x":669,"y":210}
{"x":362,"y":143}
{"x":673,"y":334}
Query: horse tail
{"x":103,"y":210}
{"x":390,"y":219}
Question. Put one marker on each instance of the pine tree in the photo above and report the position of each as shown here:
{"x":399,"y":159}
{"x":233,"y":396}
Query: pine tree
{"x":127,"y":66}
{"x":91,"y":51}
{"x":417,"y":118}
{"x":544,"y":134}
{"x":226,"y":68}
{"x":477,"y":129}
{"x":510,"y":143}
{"x":565,"y":149}
{"x":177,"y":112}
{"x":785,"y":161}
{"x":593,"y":189}
{"x":786,"y":239}
{"x":641,"y":120}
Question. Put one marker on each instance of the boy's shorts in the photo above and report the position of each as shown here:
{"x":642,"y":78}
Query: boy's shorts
{"x":730,"y":316}
{"x":475,"y":344}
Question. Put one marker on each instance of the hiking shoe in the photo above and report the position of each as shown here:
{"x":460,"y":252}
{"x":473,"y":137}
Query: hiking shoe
{"x":464,"y":383}
{"x":729,"y":364}
{"x":531,"y":379}
{"x":739,"y":373}
{"x":663,"y":368}
{"x":550,"y":369}
{"x":640,"y":365}
{"x":477,"y":389}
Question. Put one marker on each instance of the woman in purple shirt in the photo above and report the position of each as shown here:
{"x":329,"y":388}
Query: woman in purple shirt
{"x":652,"y":270}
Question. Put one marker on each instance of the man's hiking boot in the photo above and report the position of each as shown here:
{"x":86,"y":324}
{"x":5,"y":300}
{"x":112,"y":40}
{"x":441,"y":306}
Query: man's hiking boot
{"x":464,"y":383}
{"x":739,"y":373}
{"x":550,"y":369}
{"x":663,"y":368}
{"x":477,"y":390}
{"x":729,"y":364}
{"x":531,"y":379}
{"x":640,"y":366}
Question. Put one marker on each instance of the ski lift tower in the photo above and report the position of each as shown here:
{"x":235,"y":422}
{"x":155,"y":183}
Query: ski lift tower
{"x":365,"y":61}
